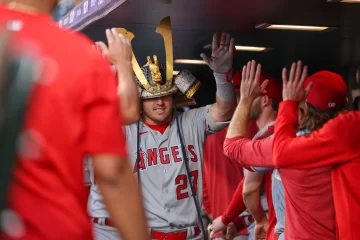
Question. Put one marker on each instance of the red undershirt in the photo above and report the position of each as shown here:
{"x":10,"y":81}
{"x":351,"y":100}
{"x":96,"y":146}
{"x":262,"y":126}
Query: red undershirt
{"x":160,"y":128}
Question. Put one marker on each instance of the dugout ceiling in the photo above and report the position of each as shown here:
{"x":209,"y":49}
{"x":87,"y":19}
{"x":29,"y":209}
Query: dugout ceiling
{"x":195,"y":21}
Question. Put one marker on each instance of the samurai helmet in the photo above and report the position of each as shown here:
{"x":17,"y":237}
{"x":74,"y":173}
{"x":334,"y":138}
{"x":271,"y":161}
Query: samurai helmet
{"x":156,"y":80}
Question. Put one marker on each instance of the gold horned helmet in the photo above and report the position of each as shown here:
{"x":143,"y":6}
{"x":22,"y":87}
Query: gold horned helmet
{"x":155,"y":80}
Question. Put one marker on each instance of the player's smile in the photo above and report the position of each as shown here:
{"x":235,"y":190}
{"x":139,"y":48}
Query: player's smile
{"x":160,"y":110}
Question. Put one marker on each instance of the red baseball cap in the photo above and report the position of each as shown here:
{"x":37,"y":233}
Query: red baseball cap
{"x":236,"y":80}
{"x":273,"y":88}
{"x":328,"y":91}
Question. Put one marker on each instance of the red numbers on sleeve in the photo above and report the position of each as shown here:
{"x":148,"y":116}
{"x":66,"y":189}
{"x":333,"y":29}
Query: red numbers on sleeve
{"x":182,"y":182}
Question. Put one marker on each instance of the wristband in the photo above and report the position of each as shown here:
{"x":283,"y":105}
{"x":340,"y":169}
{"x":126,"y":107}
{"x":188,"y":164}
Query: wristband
{"x":224,"y":88}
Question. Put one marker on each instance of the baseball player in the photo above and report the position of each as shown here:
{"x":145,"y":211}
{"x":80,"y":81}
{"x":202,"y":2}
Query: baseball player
{"x":335,"y":145}
{"x":222,"y":176}
{"x":166,"y":147}
{"x":73,"y":111}
{"x":313,"y":184}
{"x":264,"y":112}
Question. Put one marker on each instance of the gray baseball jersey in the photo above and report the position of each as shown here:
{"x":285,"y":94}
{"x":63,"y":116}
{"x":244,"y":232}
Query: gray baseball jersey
{"x":166,"y":192}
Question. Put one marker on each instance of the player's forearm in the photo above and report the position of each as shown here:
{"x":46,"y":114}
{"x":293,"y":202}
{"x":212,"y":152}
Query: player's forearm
{"x":236,"y":206}
{"x":238,"y":124}
{"x":225,"y":104}
{"x":250,"y":153}
{"x":123,"y":201}
{"x":129,"y":96}
{"x":253,"y":204}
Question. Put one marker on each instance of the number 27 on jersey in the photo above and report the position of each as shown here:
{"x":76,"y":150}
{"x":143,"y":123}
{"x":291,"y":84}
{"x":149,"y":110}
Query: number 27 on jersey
{"x":182,"y":183}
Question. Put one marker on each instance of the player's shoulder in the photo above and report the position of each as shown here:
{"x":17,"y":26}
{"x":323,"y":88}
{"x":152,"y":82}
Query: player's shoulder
{"x":346,"y":118}
{"x":350,"y":115}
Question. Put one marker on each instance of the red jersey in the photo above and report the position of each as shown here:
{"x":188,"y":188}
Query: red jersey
{"x":73,"y":111}
{"x":336,"y":145}
{"x":237,"y":205}
{"x":221,"y":175}
{"x":309,"y":208}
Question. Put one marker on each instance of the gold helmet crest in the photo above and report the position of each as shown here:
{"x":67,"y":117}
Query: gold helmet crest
{"x":155,"y":80}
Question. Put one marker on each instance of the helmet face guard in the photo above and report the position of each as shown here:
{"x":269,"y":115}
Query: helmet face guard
{"x":155,"y":80}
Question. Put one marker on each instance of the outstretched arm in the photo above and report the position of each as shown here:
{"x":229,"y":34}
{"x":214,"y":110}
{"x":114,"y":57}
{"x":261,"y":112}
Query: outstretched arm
{"x":248,"y":153}
{"x":104,"y":140}
{"x":327,"y":146}
{"x":221,"y":63}
{"x":333,"y":144}
{"x":236,"y":146}
{"x":119,"y":53}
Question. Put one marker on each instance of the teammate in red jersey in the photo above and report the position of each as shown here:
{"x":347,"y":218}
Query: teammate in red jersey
{"x":221,"y":175}
{"x":336,"y":144}
{"x":264,"y":112}
{"x":73,"y":111}
{"x":313,"y":184}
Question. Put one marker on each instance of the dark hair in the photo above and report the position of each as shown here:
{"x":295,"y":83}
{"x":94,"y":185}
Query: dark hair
{"x":275,"y":104}
{"x":316,"y":117}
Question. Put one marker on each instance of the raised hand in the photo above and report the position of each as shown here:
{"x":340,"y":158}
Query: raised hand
{"x":250,"y":82}
{"x":293,"y":86}
{"x":119,"y":51}
{"x":222,"y":55}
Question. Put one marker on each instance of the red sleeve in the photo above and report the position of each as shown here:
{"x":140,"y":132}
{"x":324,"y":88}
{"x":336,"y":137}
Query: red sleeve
{"x":101,"y":112}
{"x":206,"y":201}
{"x":328,"y":146}
{"x":248,"y":152}
{"x":241,"y":223}
{"x":236,"y":206}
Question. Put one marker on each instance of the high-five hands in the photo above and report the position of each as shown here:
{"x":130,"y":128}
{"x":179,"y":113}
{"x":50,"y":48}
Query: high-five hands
{"x":293,"y":86}
{"x":250,"y":83}
{"x":119,"y":51}
{"x":222,"y":55}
